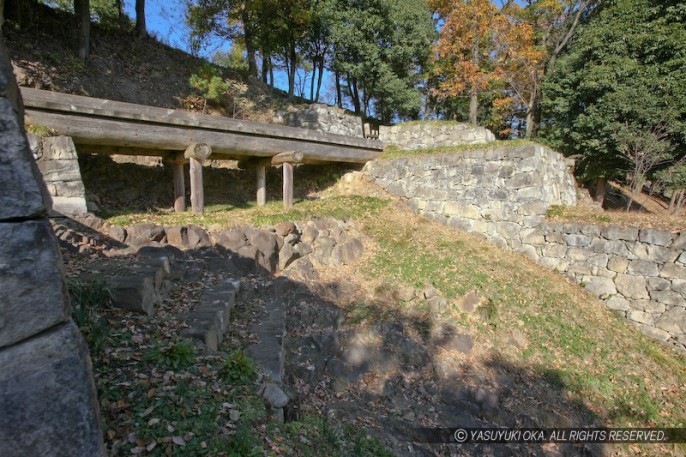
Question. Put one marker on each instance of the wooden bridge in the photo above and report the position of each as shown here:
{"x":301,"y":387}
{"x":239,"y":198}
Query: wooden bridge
{"x":111,"y":127}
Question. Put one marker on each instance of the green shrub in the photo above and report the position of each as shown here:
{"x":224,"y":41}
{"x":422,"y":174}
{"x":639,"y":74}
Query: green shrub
{"x":176,"y":355}
{"x":238,"y":369}
{"x":209,"y":83}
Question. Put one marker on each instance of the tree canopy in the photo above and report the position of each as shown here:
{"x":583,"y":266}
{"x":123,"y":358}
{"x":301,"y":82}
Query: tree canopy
{"x":376,"y":48}
{"x":622,"y":79}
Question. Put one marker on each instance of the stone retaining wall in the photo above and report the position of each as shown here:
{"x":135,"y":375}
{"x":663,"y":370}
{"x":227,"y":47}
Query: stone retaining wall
{"x":59,"y":165}
{"x":494,"y":191}
{"x":324,"y":118}
{"x":421,"y":135}
{"x":503,"y":194}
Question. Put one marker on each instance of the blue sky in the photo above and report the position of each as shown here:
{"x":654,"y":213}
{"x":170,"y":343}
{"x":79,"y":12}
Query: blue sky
{"x":165,"y":19}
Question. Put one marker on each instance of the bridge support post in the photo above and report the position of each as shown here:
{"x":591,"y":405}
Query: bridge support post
{"x":196,"y":153}
{"x":261,"y":184}
{"x":179,"y":185}
{"x":197,"y":193}
{"x":287,"y":159}
{"x":287,"y":185}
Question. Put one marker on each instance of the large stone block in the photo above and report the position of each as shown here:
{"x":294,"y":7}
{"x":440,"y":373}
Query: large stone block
{"x":58,"y":148}
{"x":598,"y":260}
{"x":643,"y":268}
{"x":60,"y":170}
{"x":146,"y":232}
{"x":673,"y":271}
{"x":532,"y":236}
{"x":615,"y":247}
{"x":69,"y":206}
{"x":577,"y":240}
{"x":578,"y":254}
{"x":21,"y":189}
{"x":680,"y":242}
{"x":632,"y":286}
{"x":641,"y":317}
{"x":668,"y":297}
{"x":134,"y":293}
{"x":47,"y":397}
{"x":618,"y":264}
{"x":618,"y":303}
{"x":34,"y":297}
{"x":658,"y":284}
{"x":620,"y":233}
{"x":657,"y":237}
{"x":554,"y":250}
{"x":661,"y":254}
{"x":67,"y":189}
{"x":599,"y":286}
{"x":673,"y":321}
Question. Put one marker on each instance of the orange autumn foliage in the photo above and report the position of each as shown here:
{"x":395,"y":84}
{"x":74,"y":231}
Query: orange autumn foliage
{"x":463,"y":51}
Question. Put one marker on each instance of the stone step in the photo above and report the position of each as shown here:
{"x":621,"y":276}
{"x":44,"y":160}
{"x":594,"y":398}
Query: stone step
{"x":210,"y":320}
{"x":137,"y":284}
{"x":134,"y":293}
{"x":269,"y":353}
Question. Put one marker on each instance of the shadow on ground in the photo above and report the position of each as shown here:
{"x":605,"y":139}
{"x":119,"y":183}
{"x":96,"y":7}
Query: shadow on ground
{"x":120,"y":188}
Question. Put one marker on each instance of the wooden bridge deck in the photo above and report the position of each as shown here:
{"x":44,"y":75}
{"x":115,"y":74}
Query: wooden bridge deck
{"x":107,"y":126}
{"x":110,"y":127}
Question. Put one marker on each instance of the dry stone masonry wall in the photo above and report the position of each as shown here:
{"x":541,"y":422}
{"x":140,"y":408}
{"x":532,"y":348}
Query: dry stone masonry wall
{"x":323,"y":118}
{"x":497,"y":192}
{"x":421,"y":135}
{"x":58,"y":163}
{"x":503,"y":194}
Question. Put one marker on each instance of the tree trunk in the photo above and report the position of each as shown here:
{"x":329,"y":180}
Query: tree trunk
{"x":529,"y":123}
{"x":248,"y":38}
{"x":319,"y":80}
{"x":680,"y":201}
{"x":356,"y":98}
{"x":141,"y":29}
{"x":314,"y":73}
{"x":635,"y":192}
{"x":672,"y":201}
{"x":473,"y":94}
{"x":293,"y":57}
{"x":600,"y":190}
{"x":339,"y":94}
{"x":536,"y":127}
{"x":265,"y":68}
{"x":473,"y":107}
{"x":531,"y":127}
{"x":83,"y":18}
{"x":120,"y":9}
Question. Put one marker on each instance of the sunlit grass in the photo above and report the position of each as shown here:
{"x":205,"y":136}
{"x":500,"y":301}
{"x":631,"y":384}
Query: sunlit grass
{"x":625,"y":377}
{"x":226,"y":216}
{"x":393,"y":152}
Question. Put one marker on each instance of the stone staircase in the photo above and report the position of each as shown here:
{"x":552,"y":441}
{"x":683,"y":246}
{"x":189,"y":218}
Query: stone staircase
{"x":210,"y":320}
{"x":139,"y":283}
